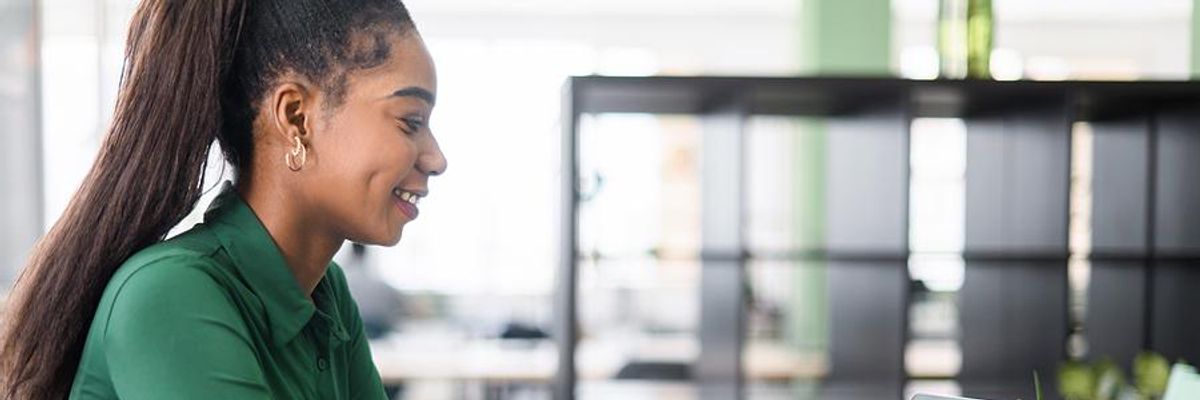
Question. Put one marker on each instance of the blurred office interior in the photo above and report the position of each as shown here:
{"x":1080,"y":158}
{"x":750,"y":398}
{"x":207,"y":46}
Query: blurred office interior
{"x":950,"y":252}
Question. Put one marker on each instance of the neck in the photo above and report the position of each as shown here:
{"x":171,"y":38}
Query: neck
{"x":306,"y":247}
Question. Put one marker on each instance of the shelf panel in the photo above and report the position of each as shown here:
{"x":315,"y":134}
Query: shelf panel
{"x":828,"y":96}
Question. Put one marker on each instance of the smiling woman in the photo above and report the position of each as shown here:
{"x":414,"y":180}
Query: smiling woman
{"x":322,"y":108}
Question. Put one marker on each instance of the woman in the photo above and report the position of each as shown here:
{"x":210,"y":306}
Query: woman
{"x":322,"y":108}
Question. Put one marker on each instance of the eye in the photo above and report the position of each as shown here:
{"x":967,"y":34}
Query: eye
{"x":411,"y":125}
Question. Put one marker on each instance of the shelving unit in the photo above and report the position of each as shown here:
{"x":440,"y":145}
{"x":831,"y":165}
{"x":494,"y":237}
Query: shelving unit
{"x":1014,"y":318}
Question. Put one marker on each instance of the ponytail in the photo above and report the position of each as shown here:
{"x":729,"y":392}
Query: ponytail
{"x":146,"y":178}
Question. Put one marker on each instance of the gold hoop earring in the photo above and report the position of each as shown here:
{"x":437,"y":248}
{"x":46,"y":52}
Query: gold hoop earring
{"x":297,"y":157}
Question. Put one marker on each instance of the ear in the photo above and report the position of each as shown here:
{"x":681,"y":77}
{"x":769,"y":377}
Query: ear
{"x":292,"y":106}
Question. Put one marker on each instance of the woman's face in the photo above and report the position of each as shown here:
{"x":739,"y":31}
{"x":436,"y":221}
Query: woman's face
{"x":370,"y":158}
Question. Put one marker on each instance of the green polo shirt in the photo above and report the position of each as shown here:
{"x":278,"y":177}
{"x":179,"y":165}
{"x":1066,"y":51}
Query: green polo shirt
{"x":215,"y":313}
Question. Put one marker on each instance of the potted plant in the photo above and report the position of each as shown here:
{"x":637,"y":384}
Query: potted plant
{"x":1104,"y":379}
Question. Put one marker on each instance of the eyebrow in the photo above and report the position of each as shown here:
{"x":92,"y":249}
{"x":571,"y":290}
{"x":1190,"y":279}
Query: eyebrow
{"x":413,"y":91}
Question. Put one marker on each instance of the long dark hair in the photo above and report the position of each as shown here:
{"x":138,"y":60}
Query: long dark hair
{"x":194,"y":72}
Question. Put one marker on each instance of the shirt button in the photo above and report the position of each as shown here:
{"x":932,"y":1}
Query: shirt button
{"x":322,"y":364}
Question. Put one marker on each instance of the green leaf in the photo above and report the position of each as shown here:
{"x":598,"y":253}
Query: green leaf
{"x":1076,"y":381}
{"x":1037,"y":385}
{"x":1150,"y":373}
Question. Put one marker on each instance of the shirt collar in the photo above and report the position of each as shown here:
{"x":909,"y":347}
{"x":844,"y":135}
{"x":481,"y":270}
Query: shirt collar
{"x":260,"y":262}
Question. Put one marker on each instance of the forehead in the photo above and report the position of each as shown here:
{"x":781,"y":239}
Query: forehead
{"x":407,"y":63}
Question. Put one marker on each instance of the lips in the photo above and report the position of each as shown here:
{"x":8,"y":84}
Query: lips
{"x":407,"y":202}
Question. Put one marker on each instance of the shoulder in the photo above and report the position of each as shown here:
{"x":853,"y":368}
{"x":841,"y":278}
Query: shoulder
{"x":198,"y":242}
{"x":166,"y":281}
{"x":185,"y":259}
{"x":155,"y":306}
{"x":161,"y":268}
{"x":160,"y":275}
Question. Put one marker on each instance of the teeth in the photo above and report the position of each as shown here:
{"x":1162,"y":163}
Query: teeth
{"x":406,"y":196}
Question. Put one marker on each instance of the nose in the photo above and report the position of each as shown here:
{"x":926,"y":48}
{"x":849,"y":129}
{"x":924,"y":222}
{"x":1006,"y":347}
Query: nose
{"x":431,"y":161}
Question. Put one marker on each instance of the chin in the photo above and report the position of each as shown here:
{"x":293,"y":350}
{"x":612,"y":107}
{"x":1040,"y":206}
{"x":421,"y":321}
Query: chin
{"x":386,"y":239}
{"x":394,"y":239}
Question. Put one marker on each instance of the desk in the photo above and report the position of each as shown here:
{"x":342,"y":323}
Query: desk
{"x":401,"y":359}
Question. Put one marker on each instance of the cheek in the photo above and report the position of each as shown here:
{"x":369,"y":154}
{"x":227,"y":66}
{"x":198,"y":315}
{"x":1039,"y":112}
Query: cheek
{"x":357,"y":181}
{"x":360,"y":152}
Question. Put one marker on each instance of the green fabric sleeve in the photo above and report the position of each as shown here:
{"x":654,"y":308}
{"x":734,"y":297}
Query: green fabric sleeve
{"x":174,"y":333}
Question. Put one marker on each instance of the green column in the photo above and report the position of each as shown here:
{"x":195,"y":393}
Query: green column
{"x":846,"y":37}
{"x":837,"y":38}
{"x":809,"y":328}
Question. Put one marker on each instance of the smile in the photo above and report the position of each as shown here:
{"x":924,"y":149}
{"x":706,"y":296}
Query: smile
{"x":407,"y":202}
{"x":405,"y":195}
